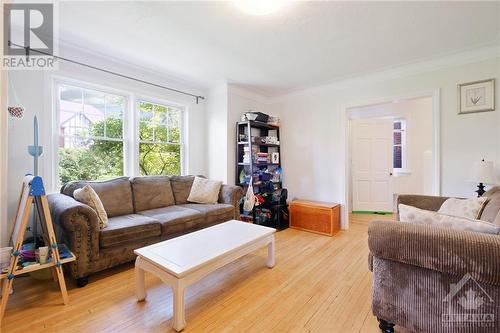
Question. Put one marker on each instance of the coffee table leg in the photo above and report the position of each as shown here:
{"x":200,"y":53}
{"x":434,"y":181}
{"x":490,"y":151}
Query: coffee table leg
{"x":179,"y":316}
{"x":270,"y":254}
{"x":140,"y":287}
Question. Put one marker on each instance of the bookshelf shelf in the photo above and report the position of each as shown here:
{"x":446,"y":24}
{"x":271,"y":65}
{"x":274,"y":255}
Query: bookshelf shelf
{"x":260,"y":144}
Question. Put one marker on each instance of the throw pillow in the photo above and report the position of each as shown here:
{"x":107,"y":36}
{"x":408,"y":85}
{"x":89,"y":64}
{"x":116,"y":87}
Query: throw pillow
{"x":204,"y":191}
{"x":409,"y":214}
{"x":88,"y":196}
{"x":469,"y":208}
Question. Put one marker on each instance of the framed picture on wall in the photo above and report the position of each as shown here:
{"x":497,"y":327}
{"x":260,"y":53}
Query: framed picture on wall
{"x":478,"y":96}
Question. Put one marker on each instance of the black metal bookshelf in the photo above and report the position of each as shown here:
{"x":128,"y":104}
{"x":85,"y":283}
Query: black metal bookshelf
{"x":251,"y":135}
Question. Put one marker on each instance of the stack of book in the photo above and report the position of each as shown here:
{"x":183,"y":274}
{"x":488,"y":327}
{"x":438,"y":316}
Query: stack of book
{"x":262,"y":158}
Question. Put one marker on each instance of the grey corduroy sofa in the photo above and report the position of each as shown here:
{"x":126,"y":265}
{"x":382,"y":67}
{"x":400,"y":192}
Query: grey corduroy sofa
{"x":430,"y":279}
{"x":141,"y":211}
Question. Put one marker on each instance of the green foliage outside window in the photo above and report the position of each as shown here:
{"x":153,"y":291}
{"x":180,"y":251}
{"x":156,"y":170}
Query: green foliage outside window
{"x":95,"y":159}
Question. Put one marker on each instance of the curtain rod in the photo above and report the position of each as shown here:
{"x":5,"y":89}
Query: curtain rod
{"x":28,"y":49}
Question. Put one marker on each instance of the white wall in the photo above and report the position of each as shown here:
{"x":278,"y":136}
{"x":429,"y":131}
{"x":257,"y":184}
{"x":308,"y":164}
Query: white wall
{"x":33,"y":90}
{"x":313,"y":129}
{"x":3,"y":159}
{"x":417,"y":176}
{"x":217,"y":141}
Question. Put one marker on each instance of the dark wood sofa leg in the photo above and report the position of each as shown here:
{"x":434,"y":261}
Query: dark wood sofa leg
{"x":82,"y":282}
{"x":385,"y":326}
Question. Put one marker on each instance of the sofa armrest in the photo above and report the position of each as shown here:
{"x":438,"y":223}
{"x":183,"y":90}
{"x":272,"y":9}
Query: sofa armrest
{"x":230,"y":194}
{"x":79,"y":227}
{"x":443,"y":250}
{"x":427,"y":202}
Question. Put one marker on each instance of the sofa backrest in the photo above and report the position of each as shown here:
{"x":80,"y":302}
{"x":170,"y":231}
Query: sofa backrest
{"x":115,"y":194}
{"x":492,"y":209}
{"x":152,"y":192}
{"x":181,"y":186}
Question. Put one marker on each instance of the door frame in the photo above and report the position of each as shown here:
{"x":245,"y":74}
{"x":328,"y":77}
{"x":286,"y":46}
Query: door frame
{"x":436,"y":141}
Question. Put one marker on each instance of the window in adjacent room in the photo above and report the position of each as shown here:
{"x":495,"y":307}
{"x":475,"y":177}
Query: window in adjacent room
{"x":399,"y":144}
{"x":160,"y":143}
{"x":91,"y":144}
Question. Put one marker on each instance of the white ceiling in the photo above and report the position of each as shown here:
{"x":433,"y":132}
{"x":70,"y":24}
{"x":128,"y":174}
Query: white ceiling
{"x":304,"y":45}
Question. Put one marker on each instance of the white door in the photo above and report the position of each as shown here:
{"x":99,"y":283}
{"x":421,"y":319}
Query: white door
{"x":371,"y":167}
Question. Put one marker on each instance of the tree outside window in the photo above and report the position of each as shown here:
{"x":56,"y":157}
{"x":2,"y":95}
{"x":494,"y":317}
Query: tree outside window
{"x":159,"y":139}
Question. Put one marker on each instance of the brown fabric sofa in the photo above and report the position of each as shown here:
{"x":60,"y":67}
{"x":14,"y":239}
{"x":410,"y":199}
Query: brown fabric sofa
{"x":428,"y":279}
{"x":141,"y":211}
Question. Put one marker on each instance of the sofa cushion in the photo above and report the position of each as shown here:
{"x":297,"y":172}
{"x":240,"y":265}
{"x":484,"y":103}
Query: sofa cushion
{"x":115,"y":194}
{"x":214,"y":214}
{"x":152,"y":192}
{"x":88,"y":196}
{"x":175,"y":220}
{"x":468,"y":208}
{"x":181,"y":186}
{"x":409,"y":214}
{"x":204,"y":191}
{"x":491,"y":210}
{"x":126,"y":228}
{"x":209,"y":209}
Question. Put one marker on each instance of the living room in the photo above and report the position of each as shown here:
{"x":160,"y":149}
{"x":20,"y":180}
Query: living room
{"x":277,"y":148}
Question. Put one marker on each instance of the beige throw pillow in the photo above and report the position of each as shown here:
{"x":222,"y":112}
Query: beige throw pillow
{"x":469,"y":208}
{"x":411,"y":214}
{"x":88,"y":196}
{"x":204,"y":191}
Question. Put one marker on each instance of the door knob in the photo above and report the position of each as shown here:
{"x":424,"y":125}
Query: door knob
{"x":390,"y":173}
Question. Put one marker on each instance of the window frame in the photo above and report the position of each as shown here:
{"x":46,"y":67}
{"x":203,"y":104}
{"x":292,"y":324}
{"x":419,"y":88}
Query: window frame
{"x":182,"y":141}
{"x":130,"y":129}
{"x":403,"y":145}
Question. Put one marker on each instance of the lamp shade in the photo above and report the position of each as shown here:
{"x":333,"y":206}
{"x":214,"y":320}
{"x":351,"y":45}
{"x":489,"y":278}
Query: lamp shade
{"x":484,"y":172}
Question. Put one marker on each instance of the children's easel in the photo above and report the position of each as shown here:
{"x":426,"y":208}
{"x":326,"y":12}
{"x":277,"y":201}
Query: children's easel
{"x":33,"y":191}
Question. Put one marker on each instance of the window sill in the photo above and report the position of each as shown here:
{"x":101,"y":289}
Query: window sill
{"x":401,"y":173}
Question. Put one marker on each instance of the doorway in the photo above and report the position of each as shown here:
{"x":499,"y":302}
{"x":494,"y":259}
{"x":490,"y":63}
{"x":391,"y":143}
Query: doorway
{"x":392,"y":149}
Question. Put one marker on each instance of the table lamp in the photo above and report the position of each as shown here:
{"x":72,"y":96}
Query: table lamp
{"x":483,"y":173}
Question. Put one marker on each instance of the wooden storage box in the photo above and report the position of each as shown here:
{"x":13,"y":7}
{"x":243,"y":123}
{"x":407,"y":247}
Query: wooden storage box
{"x":319,"y":217}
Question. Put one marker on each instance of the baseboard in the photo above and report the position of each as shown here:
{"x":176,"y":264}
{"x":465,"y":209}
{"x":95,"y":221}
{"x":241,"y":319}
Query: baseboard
{"x":371,"y":212}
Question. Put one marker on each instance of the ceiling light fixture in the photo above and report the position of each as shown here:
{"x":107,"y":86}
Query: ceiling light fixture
{"x":260,"y":7}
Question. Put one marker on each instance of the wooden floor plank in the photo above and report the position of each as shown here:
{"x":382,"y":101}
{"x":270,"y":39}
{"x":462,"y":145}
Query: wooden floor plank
{"x":319,"y":284}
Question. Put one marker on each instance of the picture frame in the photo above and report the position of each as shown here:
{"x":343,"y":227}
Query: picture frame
{"x":275,"y":158}
{"x":477,"y":96}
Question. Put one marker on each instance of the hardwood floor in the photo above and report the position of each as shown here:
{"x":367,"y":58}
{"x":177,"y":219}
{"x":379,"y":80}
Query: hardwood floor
{"x":319,"y":284}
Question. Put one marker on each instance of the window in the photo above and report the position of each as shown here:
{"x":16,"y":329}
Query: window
{"x":159,"y":139}
{"x":399,"y":144}
{"x":90,"y":133}
{"x":98,"y":139}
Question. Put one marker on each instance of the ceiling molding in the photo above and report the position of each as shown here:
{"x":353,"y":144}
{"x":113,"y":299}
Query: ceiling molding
{"x":234,"y":89}
{"x":438,"y":63}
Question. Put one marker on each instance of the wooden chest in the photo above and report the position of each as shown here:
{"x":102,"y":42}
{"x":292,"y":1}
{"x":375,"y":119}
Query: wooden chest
{"x":319,"y":217}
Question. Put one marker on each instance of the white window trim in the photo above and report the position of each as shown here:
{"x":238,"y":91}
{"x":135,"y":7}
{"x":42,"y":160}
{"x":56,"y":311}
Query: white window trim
{"x":130,"y":125}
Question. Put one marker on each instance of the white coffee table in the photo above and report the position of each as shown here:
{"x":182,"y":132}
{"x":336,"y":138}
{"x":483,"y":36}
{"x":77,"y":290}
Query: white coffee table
{"x":184,"y":260}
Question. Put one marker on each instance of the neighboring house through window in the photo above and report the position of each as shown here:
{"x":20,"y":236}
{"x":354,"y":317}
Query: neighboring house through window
{"x":90,"y":134}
